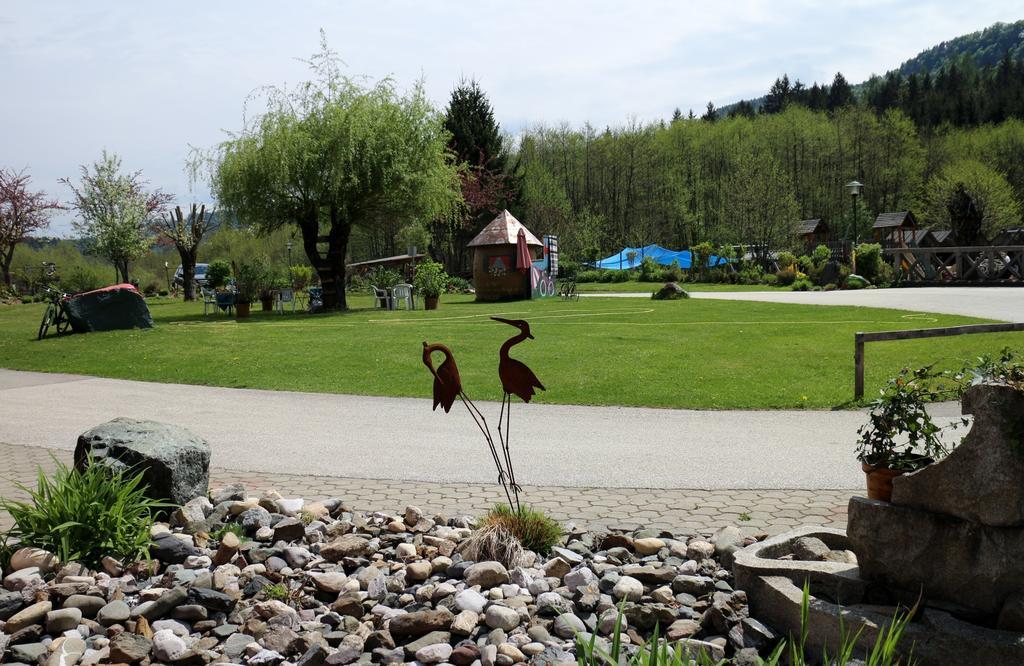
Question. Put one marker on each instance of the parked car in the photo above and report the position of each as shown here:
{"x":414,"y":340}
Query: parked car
{"x":200,"y":275}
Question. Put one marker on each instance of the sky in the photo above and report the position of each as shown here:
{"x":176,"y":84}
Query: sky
{"x":148,"y":80}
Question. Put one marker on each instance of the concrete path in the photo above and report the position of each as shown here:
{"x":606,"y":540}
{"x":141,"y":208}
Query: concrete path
{"x":999,"y":303}
{"x":402,"y":439}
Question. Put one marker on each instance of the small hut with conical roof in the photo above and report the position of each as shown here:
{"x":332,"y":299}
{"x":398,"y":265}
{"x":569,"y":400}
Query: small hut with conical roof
{"x":497,"y":275}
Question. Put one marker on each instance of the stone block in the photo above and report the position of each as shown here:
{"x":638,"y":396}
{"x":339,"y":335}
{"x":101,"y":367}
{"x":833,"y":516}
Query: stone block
{"x":982,"y":480}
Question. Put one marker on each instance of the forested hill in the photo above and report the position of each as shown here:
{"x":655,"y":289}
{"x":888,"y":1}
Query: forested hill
{"x":985,"y":48}
{"x":964,"y":57}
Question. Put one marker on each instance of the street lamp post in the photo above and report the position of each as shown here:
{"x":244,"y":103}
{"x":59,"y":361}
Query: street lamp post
{"x":853,"y":187}
{"x":167,"y":276}
{"x":290,"y":245}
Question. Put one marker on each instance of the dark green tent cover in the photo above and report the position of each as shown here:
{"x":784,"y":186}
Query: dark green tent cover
{"x":111,"y":308}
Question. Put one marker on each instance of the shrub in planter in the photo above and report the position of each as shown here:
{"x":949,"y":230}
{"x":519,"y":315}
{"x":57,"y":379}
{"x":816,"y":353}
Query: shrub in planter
{"x":85,"y":516}
{"x":251,"y":278}
{"x":302,"y":276}
{"x":900,"y":436}
{"x":430,"y":280}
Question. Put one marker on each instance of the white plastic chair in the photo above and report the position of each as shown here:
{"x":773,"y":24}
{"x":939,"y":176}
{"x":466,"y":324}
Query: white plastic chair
{"x":400,"y":293}
{"x":209,"y":300}
{"x":284,"y":296}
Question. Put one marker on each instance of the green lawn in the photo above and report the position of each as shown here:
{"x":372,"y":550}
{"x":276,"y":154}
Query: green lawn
{"x":690,"y":353}
{"x":648,"y":287}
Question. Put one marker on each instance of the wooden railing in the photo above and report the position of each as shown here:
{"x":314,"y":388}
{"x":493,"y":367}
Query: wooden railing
{"x":994,"y":264}
{"x":914,"y":334}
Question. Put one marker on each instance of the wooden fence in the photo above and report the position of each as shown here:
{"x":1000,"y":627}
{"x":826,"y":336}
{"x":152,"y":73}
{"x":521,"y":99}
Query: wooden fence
{"x":996,"y":264}
{"x":913,"y":334}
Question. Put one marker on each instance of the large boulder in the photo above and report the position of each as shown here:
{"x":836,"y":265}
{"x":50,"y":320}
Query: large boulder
{"x":174,"y":462}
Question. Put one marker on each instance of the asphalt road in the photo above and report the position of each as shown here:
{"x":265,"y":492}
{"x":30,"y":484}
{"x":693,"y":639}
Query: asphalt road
{"x":401,"y":438}
{"x":999,"y":303}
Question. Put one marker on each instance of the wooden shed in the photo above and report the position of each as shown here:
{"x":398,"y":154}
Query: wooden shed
{"x":894,"y":227}
{"x":813,"y":233}
{"x":496,"y":277}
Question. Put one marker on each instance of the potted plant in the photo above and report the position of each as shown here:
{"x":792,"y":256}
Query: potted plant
{"x":250,"y":280}
{"x":217,"y":274}
{"x":900,"y":436}
{"x":430,"y":281}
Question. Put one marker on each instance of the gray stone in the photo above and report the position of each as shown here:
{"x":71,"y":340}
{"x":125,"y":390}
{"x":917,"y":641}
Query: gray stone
{"x":63,"y":619}
{"x":420,"y":622}
{"x":171,"y":550}
{"x":684,"y":628}
{"x":174,"y":462}
{"x":810,"y":548}
{"x":29,"y":653}
{"x":164,"y":604}
{"x":348,"y":545}
{"x":432,"y":638}
{"x":235,"y":644}
{"x":628,"y":588}
{"x":942,"y":556}
{"x":696,"y":585}
{"x":10,"y":603}
{"x":234,"y":492}
{"x":34,"y":614}
{"x":487,"y":575}
{"x":89,"y":605}
{"x":567,"y":555}
{"x":568,"y":625}
{"x":266,"y":658}
{"x":982,"y":480}
{"x":434,"y":654}
{"x":727,"y":541}
{"x":254,"y":518}
{"x":552,"y":604}
{"x":289,"y":529}
{"x":115,"y":612}
{"x":129,"y":648}
{"x":501,"y":617}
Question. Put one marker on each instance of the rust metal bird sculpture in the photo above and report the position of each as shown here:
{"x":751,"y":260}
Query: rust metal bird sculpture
{"x":516,"y":379}
{"x":447,"y":387}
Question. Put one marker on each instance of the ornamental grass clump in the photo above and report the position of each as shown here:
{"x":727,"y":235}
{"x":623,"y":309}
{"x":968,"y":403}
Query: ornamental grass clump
{"x":84,"y":516}
{"x":534,"y":529}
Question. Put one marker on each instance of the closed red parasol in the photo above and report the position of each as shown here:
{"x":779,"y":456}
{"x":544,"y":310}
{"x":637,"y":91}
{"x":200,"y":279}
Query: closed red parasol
{"x":523,"y":260}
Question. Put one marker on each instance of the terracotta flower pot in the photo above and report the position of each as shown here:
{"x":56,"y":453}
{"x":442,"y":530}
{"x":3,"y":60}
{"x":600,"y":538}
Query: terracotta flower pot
{"x":430,"y":302}
{"x":879,"y":481}
{"x":242,"y":310}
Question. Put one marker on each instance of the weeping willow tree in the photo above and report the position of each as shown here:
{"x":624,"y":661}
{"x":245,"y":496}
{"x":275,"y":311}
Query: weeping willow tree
{"x":331,"y":154}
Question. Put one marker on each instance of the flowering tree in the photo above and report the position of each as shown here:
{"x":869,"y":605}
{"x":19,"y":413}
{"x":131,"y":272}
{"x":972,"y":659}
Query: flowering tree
{"x":114,"y":210}
{"x":21,"y":213}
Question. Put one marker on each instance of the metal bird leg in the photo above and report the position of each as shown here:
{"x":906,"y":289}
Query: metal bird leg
{"x":506,"y":414}
{"x":481,"y":423}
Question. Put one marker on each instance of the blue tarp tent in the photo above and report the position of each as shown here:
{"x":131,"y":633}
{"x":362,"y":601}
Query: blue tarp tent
{"x":664,"y":257}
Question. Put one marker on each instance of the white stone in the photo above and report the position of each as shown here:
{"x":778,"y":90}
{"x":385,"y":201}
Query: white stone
{"x":628,"y":588}
{"x":291,"y":507}
{"x":434,"y":654}
{"x":579,"y":578}
{"x":470,"y":600}
{"x":167,"y":646}
{"x":501,"y":617}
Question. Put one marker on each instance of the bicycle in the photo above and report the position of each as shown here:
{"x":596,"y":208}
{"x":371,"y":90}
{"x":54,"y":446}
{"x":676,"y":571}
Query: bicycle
{"x":56,"y":313}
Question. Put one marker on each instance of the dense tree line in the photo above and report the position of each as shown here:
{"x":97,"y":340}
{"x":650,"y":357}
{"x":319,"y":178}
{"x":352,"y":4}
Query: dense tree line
{"x":744,"y":180}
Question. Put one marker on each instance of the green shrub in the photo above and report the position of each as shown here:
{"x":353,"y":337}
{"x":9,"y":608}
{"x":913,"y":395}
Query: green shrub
{"x":277,"y":591}
{"x":607,"y":276}
{"x":854,"y":281}
{"x":358,"y":284}
{"x":802,"y":284}
{"x":785,"y":277}
{"x":151,"y":289}
{"x":752,"y":274}
{"x":26,"y":300}
{"x":218,"y":273}
{"x":821,"y":254}
{"x":786,"y":260}
{"x":770,"y":279}
{"x":568,"y":268}
{"x":674,"y":273}
{"x":457,"y":285}
{"x":164,"y":292}
{"x":535,"y":530}
{"x":869,"y":261}
{"x":430,"y":278}
{"x":251,"y":278}
{"x":588,"y":276}
{"x":829,"y":287}
{"x":85,"y":516}
{"x":233,"y":528}
{"x":385,"y":278}
{"x":619,"y":276}
{"x":82,"y":278}
{"x":651,"y":271}
{"x":805,"y":264}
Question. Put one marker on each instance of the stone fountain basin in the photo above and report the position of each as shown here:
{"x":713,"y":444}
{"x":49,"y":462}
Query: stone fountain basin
{"x":775,"y":592}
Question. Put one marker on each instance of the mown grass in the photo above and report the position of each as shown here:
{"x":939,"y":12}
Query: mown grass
{"x":613,"y":351}
{"x":634,"y":286}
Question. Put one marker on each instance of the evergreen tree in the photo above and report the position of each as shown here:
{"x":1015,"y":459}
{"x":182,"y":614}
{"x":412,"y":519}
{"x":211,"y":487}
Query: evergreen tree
{"x":677,"y":115}
{"x":840,"y":93}
{"x":711,"y":114}
{"x":778,"y":96}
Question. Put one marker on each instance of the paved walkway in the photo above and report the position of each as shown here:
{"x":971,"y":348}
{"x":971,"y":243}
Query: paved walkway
{"x":689,"y":511}
{"x":999,"y":303}
{"x":402,"y":439}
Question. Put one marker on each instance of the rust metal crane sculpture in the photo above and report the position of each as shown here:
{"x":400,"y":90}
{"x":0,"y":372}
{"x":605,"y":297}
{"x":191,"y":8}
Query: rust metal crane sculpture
{"x":516,"y":379}
{"x":447,"y":387}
